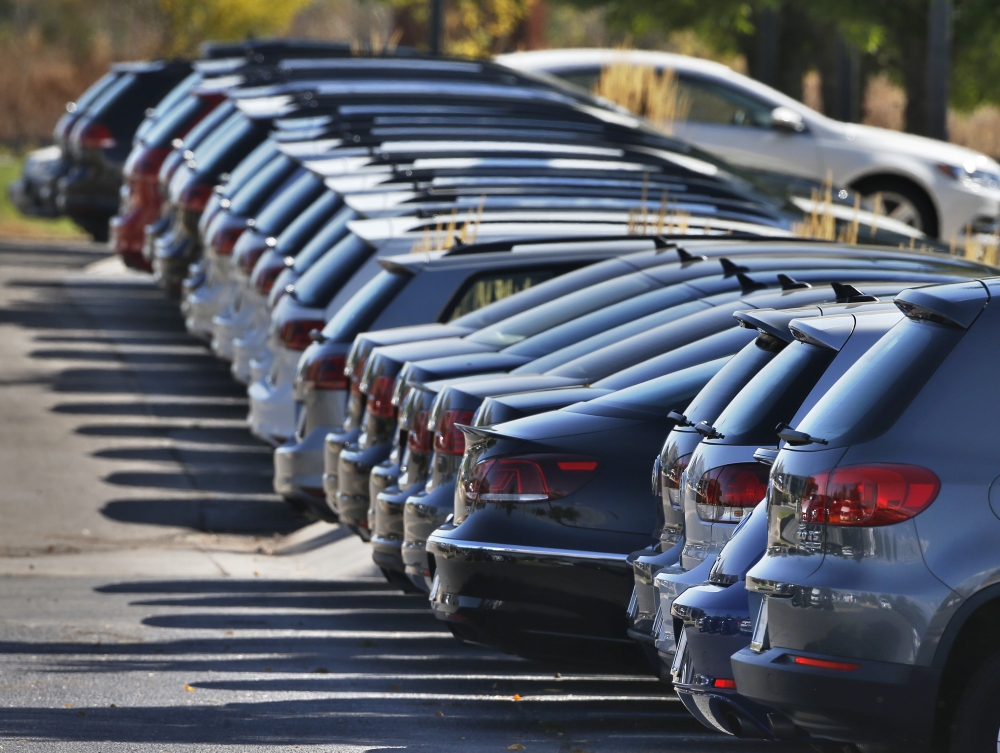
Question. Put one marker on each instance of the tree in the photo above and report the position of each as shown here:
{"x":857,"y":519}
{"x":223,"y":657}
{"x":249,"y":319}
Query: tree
{"x":473,"y":28}
{"x":187,"y":23}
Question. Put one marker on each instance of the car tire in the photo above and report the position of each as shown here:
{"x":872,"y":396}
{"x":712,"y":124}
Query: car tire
{"x":904,"y":199}
{"x":95,"y":228}
{"x":976,"y":726}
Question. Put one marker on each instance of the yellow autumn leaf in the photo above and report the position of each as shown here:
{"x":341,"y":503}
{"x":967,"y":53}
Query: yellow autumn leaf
{"x":188,"y":688}
{"x":515,"y":746}
{"x":517,"y":697}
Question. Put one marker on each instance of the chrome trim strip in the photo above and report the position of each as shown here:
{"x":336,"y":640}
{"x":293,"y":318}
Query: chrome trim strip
{"x":507,"y":549}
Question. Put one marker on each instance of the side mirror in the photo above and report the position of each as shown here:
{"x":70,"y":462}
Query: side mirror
{"x":785,"y":119}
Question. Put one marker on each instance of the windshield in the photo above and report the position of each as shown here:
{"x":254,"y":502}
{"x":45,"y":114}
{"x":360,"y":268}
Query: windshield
{"x":173,"y":121}
{"x":718,"y":393}
{"x":359,"y":313}
{"x":208,"y":125}
{"x":875,"y":391}
{"x":661,"y":395}
{"x":288,"y":200}
{"x":109,"y":95}
{"x":249,"y":196}
{"x":548,"y":315}
{"x":304,"y":227}
{"x":331,"y":233}
{"x":773,"y":395}
{"x":213,"y":160}
{"x":254,"y":162}
{"x":96,"y":90}
{"x":317,"y":287}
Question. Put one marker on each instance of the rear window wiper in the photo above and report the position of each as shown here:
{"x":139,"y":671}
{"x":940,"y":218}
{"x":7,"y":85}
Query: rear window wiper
{"x":793,"y":437}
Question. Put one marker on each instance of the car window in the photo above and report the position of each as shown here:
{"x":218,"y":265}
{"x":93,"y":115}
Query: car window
{"x":216,"y":158}
{"x":773,"y":395}
{"x":254,"y":162}
{"x":540,"y":318}
{"x":248,"y":197}
{"x":173,"y":122}
{"x":304,"y":227}
{"x":875,"y":391}
{"x":332,"y":232}
{"x":363,"y":308}
{"x":484,"y":289}
{"x":317,"y":286}
{"x":208,"y":125}
{"x":711,"y":102}
{"x":109,"y":95}
{"x":658,"y":396}
{"x":279,"y":209}
{"x":96,"y":90}
{"x":711,"y":401}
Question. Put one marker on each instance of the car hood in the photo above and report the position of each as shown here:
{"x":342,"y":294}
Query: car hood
{"x":920,"y":147}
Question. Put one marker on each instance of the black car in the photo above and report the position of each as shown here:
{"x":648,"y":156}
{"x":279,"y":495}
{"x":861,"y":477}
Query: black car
{"x":101,"y":139}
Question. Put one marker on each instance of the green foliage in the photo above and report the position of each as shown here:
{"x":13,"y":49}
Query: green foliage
{"x":474,"y":28}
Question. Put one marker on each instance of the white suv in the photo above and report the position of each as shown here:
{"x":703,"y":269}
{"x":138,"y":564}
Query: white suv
{"x":934,"y":186}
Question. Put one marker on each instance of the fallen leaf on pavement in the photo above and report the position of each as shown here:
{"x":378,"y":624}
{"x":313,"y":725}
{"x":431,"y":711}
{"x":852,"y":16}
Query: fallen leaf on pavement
{"x":515,"y":746}
{"x":394,"y":687}
{"x":67,"y":705}
{"x":517,"y":697}
{"x":188,"y":688}
{"x":439,"y":713}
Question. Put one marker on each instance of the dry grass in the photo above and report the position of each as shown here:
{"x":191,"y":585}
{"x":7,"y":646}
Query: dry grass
{"x":644,"y":91}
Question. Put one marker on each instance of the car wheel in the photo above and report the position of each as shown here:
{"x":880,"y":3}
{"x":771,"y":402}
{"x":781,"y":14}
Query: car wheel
{"x":902,"y":201}
{"x":976,"y":726}
{"x":96,"y":228}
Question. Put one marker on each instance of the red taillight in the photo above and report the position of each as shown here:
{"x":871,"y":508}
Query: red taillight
{"x":266,"y":277}
{"x":725,"y":683}
{"x":326,"y":373}
{"x":95,"y":136}
{"x":840,"y":666}
{"x":294,"y":335}
{"x":144,"y":164}
{"x":528,"y":478}
{"x":250,"y":256}
{"x":419,"y":437}
{"x":380,"y":397}
{"x":726,"y":492}
{"x":225,"y":239}
{"x":670,"y":479}
{"x":195,"y":197}
{"x":448,"y":438}
{"x":868,"y":495}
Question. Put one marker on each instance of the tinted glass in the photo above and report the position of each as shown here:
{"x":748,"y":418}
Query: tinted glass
{"x":548,"y":291}
{"x":173,"y":122}
{"x":773,"y":395}
{"x":875,"y":391}
{"x":332,"y":232}
{"x":304,"y":227}
{"x":109,"y":95}
{"x":219,"y":136}
{"x":318,"y":286}
{"x":718,"y":393}
{"x":177,"y":94}
{"x":360,"y":312}
{"x":658,"y":396}
{"x":208,"y":125}
{"x":489,"y":288}
{"x":257,"y":160}
{"x":248,"y":197}
{"x":280,"y":208}
{"x":95,"y":90}
{"x":215,"y":158}
{"x":548,"y":315}
{"x":710,"y":102}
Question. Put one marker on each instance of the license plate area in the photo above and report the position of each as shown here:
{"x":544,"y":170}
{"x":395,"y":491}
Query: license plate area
{"x":759,"y":642}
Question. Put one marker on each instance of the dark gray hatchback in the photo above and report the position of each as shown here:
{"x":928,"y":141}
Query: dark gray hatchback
{"x":879,"y":592}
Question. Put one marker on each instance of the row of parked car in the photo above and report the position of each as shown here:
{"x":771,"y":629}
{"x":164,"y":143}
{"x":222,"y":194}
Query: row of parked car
{"x":472,"y":304}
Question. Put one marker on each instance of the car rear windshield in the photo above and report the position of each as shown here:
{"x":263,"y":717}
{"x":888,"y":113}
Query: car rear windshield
{"x":173,"y":122}
{"x":773,"y":395}
{"x":359,"y":313}
{"x":280,"y":208}
{"x":249,"y":196}
{"x":330,"y":234}
{"x":253,"y":163}
{"x":208,"y":125}
{"x":304,"y":227}
{"x":95,"y":90}
{"x":214,"y":159}
{"x":317,"y":287}
{"x":711,"y":401}
{"x":874,"y":392}
{"x":658,"y":396}
{"x":109,"y":95}
{"x":553,"y":313}
{"x":488,"y":288}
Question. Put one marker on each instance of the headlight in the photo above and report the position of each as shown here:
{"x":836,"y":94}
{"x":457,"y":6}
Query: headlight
{"x":971,"y":177}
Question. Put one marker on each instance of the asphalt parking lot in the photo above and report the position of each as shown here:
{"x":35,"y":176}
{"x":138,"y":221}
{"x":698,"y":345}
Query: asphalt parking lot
{"x":156,"y":596}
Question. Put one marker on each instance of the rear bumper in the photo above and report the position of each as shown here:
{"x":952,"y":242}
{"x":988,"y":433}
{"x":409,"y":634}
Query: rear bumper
{"x":879,"y":702}
{"x":298,"y":467}
{"x":538,"y":602}
{"x":272,"y":411}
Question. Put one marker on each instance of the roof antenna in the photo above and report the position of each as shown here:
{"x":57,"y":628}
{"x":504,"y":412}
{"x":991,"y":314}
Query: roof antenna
{"x":660,"y":243}
{"x":850,"y":294}
{"x":748,"y":284}
{"x":790,"y":283}
{"x":729,"y":268}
